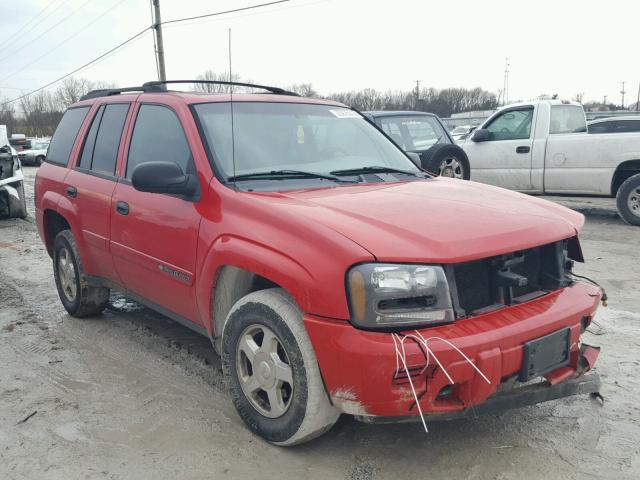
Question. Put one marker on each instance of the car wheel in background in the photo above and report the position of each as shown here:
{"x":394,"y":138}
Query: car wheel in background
{"x":628,"y":200}
{"x":448,"y":161}
{"x":272,"y":370}
{"x":78,"y":297}
{"x":39,"y":160}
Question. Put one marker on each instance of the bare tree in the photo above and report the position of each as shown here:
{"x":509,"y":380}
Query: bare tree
{"x":210,"y":75}
{"x":303,"y":89}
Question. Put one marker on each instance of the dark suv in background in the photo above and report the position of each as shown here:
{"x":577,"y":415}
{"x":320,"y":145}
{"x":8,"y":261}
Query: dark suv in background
{"x":424,"y":134}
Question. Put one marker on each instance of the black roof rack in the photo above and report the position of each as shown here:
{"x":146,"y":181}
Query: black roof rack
{"x":160,"y":86}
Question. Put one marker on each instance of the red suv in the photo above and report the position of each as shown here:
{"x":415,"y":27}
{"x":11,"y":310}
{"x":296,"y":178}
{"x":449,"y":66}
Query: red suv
{"x":332,"y":274}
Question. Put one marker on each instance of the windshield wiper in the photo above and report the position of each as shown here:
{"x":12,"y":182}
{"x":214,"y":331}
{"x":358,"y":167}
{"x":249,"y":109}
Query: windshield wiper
{"x":283,"y":174}
{"x":374,"y":169}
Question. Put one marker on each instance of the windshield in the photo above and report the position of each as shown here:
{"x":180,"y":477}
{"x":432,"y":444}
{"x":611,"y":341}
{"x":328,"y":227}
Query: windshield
{"x":291,"y":139}
{"x":414,"y":133}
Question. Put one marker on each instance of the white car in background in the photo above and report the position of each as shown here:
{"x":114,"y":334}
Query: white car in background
{"x":543,"y":147}
{"x":461,"y":132}
{"x":36,"y":154}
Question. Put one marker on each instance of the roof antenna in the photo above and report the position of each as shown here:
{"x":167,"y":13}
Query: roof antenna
{"x":233,"y":140}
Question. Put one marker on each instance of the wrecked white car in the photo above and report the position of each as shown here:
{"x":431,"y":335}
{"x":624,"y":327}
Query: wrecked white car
{"x":12,"y":200}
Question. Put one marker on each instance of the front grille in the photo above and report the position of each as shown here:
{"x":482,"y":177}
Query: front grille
{"x":22,"y":156}
{"x":495,"y":282}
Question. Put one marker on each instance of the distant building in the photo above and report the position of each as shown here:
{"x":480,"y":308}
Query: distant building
{"x":474,"y":118}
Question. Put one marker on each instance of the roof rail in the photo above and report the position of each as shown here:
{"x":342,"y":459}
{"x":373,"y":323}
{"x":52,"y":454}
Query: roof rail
{"x":107,"y":92}
{"x":160,"y":86}
{"x":156,"y":86}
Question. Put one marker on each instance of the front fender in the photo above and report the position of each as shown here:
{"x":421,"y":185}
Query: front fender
{"x":276,"y":266}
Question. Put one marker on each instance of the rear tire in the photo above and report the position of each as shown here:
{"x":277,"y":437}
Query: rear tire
{"x":628,"y":200}
{"x":78,"y":297}
{"x":275,"y":384}
{"x":39,"y":160}
{"x":447,"y":160}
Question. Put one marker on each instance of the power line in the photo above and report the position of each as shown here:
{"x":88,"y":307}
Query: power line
{"x":23,"y":29}
{"x":91,"y":62}
{"x":215,"y":14}
{"x":132,"y":38}
{"x":46,"y":31}
{"x":73,"y":35}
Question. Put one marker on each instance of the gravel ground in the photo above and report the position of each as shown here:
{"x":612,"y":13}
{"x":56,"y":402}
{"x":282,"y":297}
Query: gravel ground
{"x":131,"y":395}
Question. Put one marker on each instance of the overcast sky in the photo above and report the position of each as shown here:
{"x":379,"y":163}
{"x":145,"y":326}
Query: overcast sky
{"x":564,"y":47}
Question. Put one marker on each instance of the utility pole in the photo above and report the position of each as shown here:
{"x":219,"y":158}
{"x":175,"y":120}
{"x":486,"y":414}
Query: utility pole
{"x":415,"y":103}
{"x":157,"y":27}
{"x":622,"y":92}
{"x":505,"y":85}
{"x":638,"y":100}
{"x":605,"y":101}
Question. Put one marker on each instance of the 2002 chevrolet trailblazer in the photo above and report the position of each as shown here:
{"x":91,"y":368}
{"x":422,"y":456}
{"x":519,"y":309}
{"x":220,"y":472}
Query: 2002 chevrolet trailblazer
{"x":331,"y":273}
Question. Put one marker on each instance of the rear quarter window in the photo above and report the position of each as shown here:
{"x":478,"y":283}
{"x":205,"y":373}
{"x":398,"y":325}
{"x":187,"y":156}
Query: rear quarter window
{"x":65,"y":135}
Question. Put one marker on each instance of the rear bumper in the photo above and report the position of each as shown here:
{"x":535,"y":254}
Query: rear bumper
{"x":360,"y":371}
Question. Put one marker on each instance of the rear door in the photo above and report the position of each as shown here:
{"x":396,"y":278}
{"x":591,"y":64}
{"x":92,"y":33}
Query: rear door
{"x":505,"y":159}
{"x":154,"y":236}
{"x":91,"y":183}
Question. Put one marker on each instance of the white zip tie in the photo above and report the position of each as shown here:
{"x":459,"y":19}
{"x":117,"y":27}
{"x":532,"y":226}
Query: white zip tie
{"x":404,"y":362}
{"x":458,"y":350}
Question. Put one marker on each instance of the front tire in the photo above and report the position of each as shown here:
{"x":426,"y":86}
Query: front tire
{"x":628,"y":200}
{"x":39,"y":160}
{"x":78,"y":297}
{"x":272,"y":370}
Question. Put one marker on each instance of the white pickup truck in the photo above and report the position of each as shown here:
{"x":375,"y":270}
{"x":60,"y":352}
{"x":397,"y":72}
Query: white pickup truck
{"x":543,"y":147}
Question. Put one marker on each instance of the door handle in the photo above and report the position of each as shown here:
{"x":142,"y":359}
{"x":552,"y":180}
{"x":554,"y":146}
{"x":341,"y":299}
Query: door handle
{"x":72,"y":191}
{"x":122,"y":208}
{"x":524,"y":149}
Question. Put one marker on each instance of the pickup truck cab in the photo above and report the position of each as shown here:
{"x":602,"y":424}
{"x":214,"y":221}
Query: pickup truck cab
{"x":543,"y":147}
{"x":285,"y":229}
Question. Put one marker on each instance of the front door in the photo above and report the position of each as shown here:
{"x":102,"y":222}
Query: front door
{"x":505,"y":159}
{"x":154,"y":236}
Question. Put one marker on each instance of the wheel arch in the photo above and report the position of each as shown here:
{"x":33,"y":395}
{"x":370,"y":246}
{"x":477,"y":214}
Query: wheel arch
{"x":235,"y":267}
{"x":625,"y":170}
{"x":53,"y":223}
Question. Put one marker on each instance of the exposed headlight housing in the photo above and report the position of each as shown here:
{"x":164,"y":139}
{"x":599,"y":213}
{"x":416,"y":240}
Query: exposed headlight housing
{"x":388,"y":296}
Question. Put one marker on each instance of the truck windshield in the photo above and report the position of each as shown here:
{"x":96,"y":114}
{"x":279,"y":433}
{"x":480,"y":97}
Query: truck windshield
{"x":320,"y":143}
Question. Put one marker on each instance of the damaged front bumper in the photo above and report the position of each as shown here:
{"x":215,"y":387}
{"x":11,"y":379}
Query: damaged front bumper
{"x":516,"y":398}
{"x":10,"y":193}
{"x":362,"y":376}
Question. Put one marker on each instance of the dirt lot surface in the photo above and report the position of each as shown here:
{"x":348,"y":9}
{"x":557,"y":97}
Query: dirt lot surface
{"x":131,"y":395}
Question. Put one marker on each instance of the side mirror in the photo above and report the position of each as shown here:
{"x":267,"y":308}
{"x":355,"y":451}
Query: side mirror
{"x":415,"y":158}
{"x":163,"y":177}
{"x":481,"y":135}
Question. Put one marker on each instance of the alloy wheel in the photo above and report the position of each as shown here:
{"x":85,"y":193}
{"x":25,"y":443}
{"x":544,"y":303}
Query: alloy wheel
{"x":452,"y":168}
{"x":264,"y":371}
{"x":67,"y":274}
{"x":633,"y":201}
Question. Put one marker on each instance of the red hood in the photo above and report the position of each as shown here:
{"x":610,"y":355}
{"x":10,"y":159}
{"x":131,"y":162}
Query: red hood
{"x":439,"y":220}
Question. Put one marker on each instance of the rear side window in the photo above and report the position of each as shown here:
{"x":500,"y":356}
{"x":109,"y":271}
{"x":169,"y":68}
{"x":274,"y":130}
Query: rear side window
{"x":100,"y":150}
{"x":158,"y":136}
{"x":567,"y":119}
{"x":65,"y":135}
